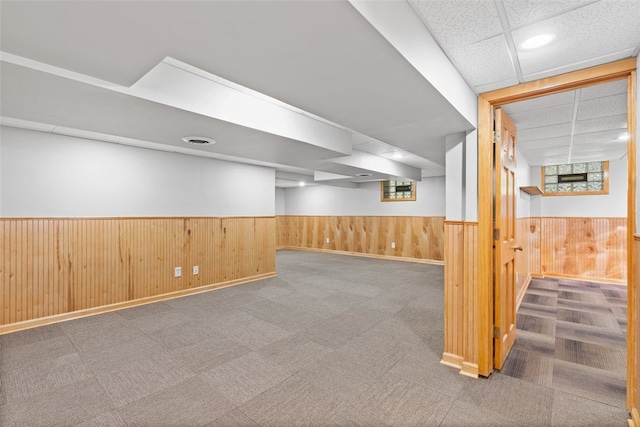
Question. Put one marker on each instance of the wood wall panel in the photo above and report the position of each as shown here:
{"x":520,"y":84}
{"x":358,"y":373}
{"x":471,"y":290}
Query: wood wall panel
{"x":470,"y":321}
{"x":55,"y":266}
{"x":577,"y":247}
{"x":527,"y":261}
{"x":414,"y":237}
{"x":585,"y":247}
{"x":454,"y":303}
{"x":460,"y":295}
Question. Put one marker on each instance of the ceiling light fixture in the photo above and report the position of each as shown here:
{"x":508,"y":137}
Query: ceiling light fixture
{"x":623,"y":137}
{"x":302,"y":184}
{"x":397,"y":155}
{"x":364,"y":174}
{"x":198,"y":140}
{"x":537,"y":41}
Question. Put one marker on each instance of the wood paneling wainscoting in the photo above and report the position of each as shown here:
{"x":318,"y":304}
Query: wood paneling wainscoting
{"x":417,"y":238}
{"x":588,"y":248}
{"x":55,"y":266}
{"x":460,"y":295}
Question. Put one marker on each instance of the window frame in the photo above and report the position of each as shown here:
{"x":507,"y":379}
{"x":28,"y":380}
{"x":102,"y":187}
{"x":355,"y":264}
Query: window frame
{"x":605,"y":183}
{"x":404,"y":199}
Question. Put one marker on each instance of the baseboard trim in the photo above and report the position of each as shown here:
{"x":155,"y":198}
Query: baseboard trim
{"x":361,"y":254}
{"x":452,"y":360}
{"x":42,"y":321}
{"x":469,"y":370}
{"x":607,"y":280}
{"x":635,"y":418}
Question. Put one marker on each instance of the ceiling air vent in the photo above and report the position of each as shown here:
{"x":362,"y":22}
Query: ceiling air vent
{"x":198,"y":140}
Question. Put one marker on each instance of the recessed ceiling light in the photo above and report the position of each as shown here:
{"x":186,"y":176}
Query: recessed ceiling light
{"x":302,"y":184}
{"x":397,"y":155}
{"x":364,"y":174}
{"x":198,"y":140}
{"x":537,"y":41}
{"x":623,"y":137}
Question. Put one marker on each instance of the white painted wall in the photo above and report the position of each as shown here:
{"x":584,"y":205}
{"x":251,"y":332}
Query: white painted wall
{"x":365,"y":200}
{"x":280,"y":200}
{"x":50,"y":175}
{"x":523,"y":178}
{"x":455,"y":178}
{"x":613,"y":204}
{"x":471,"y":178}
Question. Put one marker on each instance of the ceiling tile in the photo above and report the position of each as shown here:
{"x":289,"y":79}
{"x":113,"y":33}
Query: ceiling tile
{"x":603,"y":107}
{"x":603,"y":123}
{"x":623,"y":54}
{"x":541,"y":102}
{"x":542,"y":159}
{"x":459,"y":24}
{"x":594,"y":152}
{"x":589,"y":32}
{"x":484,"y":62}
{"x":543,"y":117}
{"x":496,"y":85}
{"x":542,"y":156}
{"x":523,"y":12}
{"x":605,"y":137}
{"x":544,"y":143}
{"x":551,"y":131}
{"x":607,"y":89}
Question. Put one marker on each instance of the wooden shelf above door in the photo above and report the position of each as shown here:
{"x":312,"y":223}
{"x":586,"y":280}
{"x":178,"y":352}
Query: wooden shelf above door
{"x":532,"y":190}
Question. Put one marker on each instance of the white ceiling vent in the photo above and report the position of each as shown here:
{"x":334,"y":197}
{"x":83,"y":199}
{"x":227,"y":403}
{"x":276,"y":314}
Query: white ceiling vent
{"x":198,"y":140}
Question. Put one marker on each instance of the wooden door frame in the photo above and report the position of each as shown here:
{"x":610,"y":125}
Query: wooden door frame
{"x":486,"y":102}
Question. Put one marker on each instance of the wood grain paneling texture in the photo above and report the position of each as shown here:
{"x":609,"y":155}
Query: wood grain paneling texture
{"x":460,"y":296}
{"x":55,"y":266}
{"x":585,"y":247}
{"x":414,"y":237}
{"x":527,"y":261}
{"x":582,"y":247}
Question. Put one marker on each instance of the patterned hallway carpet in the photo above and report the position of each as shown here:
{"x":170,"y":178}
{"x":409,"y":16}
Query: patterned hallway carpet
{"x":572,"y":337}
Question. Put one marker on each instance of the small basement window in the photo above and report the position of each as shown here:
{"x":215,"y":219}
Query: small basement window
{"x":576,"y":179}
{"x":397,"y":191}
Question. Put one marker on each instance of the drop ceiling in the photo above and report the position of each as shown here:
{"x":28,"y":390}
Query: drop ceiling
{"x":95,"y":69}
{"x":483,"y":38}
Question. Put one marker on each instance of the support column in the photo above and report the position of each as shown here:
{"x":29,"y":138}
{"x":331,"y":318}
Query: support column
{"x":460,"y":236}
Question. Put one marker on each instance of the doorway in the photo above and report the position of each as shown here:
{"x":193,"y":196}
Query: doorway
{"x":487,"y":102}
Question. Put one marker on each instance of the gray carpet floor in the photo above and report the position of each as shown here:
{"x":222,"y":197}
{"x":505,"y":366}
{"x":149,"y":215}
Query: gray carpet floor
{"x":572,"y":337}
{"x":333,"y":340}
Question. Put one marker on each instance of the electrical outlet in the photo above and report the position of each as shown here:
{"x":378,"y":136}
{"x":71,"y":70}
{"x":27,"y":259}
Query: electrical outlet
{"x":177,"y":272}
{"x":196,"y":270}
{"x":393,"y":245}
{"x":327,"y":240}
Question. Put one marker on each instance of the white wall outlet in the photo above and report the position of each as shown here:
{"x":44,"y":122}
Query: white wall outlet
{"x":393,"y":245}
{"x":177,"y":272}
{"x":196,"y":270}
{"x":327,"y":240}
